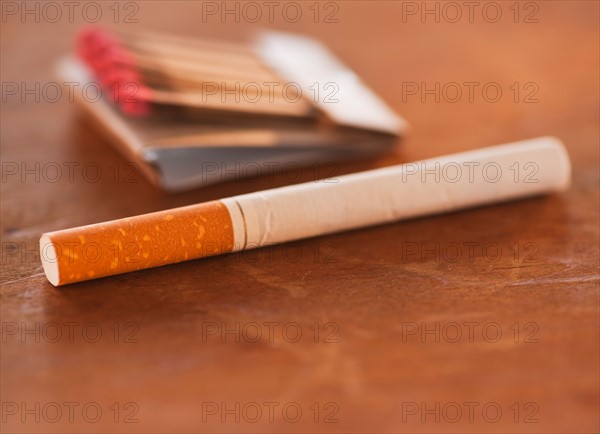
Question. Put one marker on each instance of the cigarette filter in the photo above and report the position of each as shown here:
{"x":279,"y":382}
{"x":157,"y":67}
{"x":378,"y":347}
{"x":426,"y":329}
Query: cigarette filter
{"x":311,"y":209}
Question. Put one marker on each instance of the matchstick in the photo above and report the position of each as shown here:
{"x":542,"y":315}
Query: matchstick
{"x":311,"y":209}
{"x":207,"y":62}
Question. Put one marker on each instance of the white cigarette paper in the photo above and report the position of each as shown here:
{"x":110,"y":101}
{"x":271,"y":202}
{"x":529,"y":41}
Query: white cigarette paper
{"x":394,"y":193}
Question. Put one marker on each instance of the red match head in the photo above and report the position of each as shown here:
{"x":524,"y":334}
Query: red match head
{"x":115,"y":68}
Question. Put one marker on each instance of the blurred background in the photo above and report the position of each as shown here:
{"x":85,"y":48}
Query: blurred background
{"x":163,"y":363}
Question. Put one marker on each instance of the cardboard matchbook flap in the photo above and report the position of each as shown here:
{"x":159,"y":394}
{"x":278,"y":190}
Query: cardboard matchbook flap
{"x":343,"y":97}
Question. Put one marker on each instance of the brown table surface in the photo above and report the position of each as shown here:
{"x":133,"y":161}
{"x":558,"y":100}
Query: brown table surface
{"x":375,"y":295}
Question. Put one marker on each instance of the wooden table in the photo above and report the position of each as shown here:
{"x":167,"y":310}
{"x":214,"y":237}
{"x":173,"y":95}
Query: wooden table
{"x":478,"y":321}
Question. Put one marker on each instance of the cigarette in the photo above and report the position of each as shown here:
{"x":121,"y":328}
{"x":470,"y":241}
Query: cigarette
{"x":385,"y":195}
